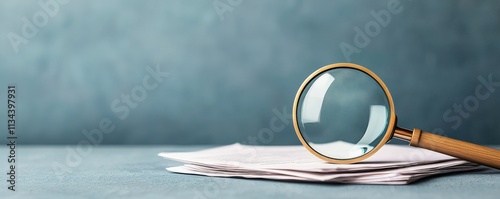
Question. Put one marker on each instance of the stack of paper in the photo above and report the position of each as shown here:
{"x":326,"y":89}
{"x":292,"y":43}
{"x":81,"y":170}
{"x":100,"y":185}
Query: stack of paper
{"x":392,"y":164}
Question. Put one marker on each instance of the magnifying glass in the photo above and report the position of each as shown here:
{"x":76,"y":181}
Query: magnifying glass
{"x":344,"y":113}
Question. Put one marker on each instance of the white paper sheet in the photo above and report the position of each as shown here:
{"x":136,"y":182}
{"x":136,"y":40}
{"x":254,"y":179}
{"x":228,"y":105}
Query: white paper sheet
{"x":392,"y":164}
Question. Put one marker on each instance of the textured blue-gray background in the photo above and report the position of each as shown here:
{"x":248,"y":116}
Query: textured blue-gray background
{"x":227,"y":75}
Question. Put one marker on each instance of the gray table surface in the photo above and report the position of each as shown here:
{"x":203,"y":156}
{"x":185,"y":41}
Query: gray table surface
{"x":137,"y":172}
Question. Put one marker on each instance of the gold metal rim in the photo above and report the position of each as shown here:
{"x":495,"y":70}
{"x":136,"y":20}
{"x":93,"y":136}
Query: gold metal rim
{"x":390,"y":127}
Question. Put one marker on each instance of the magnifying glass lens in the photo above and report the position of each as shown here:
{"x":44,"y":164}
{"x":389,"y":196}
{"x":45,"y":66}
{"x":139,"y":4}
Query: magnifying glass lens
{"x":343,"y":113}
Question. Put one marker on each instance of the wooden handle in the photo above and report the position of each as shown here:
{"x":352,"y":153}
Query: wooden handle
{"x":460,"y":149}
